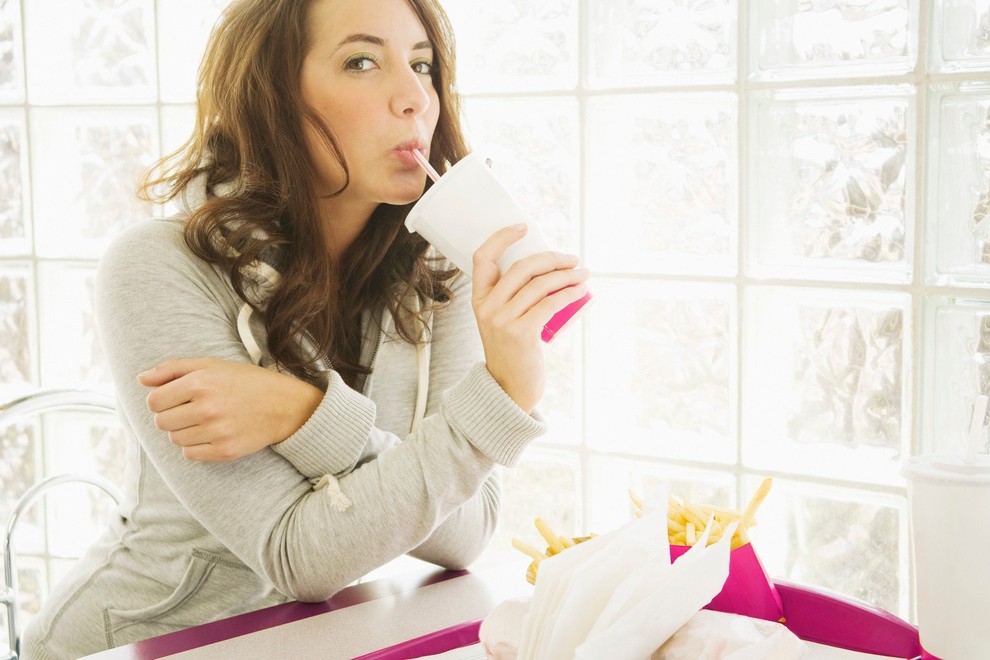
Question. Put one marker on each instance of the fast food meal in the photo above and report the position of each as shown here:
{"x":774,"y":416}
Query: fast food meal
{"x":685,"y":523}
{"x":555,"y":543}
{"x":686,"y":520}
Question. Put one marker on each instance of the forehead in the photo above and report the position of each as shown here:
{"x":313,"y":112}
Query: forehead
{"x":330,"y":21}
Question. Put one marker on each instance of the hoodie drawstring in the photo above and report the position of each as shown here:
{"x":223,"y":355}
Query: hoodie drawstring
{"x":247,"y":337}
{"x":422,"y":370}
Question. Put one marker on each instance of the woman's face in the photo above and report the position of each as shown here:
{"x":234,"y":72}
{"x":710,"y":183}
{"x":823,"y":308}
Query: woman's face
{"x":368,"y":76}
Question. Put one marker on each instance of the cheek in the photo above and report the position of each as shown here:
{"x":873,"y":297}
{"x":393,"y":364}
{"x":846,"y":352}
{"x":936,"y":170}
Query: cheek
{"x":433,"y":114}
{"x":327,"y":167}
{"x":347,"y":123}
{"x":319,"y":151}
{"x":340,"y":122}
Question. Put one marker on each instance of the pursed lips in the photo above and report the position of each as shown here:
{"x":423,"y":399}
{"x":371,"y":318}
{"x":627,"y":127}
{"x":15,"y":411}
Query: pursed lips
{"x":404,"y":152}
{"x":410,"y":145}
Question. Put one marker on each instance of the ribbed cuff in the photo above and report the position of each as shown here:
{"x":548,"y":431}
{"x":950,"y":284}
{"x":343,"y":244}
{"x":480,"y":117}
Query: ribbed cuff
{"x":333,"y":438}
{"x":479,"y":408}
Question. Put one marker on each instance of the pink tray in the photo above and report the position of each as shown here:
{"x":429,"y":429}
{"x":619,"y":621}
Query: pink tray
{"x":814,"y":615}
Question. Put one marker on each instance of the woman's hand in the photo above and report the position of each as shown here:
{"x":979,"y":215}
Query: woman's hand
{"x":218,"y":410}
{"x":512,"y":309}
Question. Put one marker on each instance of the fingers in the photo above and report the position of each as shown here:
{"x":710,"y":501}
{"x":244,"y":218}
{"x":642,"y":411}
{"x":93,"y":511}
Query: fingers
{"x":170,"y":370}
{"x":492,"y":249}
{"x":168,"y":396}
{"x":176,"y":418}
{"x":199,"y":442}
{"x":488,"y":279}
{"x":530,"y":282}
{"x":545,"y":310}
{"x":176,"y":382}
{"x":529,"y":267}
{"x":486,"y":273}
{"x":552,"y":303}
{"x":528,"y":290}
{"x":208,"y":452}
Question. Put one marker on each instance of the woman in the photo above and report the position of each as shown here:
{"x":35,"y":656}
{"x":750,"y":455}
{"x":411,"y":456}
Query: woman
{"x":287,"y":320}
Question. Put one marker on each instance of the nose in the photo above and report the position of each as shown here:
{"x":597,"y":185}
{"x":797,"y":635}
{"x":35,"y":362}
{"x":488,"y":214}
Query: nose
{"x":411,"y":98}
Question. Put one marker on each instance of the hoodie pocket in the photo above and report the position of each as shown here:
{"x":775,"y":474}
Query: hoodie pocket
{"x":211,"y":587}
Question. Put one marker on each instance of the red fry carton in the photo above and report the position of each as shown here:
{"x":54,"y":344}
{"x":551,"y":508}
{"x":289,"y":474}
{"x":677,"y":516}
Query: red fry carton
{"x":748,"y":590}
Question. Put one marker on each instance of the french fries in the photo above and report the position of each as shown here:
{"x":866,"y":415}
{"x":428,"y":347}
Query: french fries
{"x":686,"y":522}
{"x":555,"y":543}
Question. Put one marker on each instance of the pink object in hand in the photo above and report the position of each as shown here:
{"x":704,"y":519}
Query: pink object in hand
{"x":564,"y":316}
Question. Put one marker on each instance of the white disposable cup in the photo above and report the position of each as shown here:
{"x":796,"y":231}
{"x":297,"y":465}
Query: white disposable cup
{"x":950,"y":533}
{"x":464,"y":208}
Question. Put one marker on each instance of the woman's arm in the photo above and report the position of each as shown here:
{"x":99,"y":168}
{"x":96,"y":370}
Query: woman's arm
{"x":157,"y":303}
{"x":220,"y":410}
{"x":513,"y":307}
{"x":238,"y":409}
{"x":465,"y":533}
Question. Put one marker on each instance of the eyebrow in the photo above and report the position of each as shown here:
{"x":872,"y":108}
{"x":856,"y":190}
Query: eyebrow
{"x":378,"y":41}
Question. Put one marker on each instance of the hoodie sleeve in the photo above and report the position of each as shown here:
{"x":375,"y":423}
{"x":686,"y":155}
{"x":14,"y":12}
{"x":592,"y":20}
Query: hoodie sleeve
{"x":156,"y":302}
{"x":338,"y":435}
{"x":341,"y":433}
{"x":456,"y":355}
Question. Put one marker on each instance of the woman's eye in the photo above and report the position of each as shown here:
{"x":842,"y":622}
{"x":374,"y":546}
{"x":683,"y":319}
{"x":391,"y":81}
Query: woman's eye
{"x":423,"y":67}
{"x":361,"y":63}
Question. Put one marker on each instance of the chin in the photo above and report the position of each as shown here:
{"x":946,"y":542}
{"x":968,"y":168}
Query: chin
{"x":404,"y":196}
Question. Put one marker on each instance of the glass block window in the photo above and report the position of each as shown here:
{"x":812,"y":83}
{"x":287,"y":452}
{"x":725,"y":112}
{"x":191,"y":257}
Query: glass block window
{"x":666,"y":384}
{"x":959,"y":172}
{"x":509,"y":131}
{"x":88,"y":158}
{"x":961,"y":30}
{"x":958,"y":338}
{"x":15,"y":232}
{"x":785,"y":205}
{"x":674,"y":207}
{"x":11,"y":53}
{"x":70,"y":350}
{"x":90,"y":51}
{"x":831,"y":183}
{"x":796,"y":39}
{"x":782,"y":204}
{"x":18,"y":348}
{"x":612,"y":478}
{"x":550,"y":480}
{"x":825,"y":382}
{"x":89,"y":93}
{"x":643,"y":42}
{"x":846,"y":540}
{"x":516,"y":45}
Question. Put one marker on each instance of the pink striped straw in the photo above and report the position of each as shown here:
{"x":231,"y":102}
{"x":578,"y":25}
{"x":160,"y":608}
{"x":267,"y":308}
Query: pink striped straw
{"x":425,"y":164}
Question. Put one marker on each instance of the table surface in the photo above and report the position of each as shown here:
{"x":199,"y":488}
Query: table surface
{"x":361,"y":619}
{"x":399,"y":608}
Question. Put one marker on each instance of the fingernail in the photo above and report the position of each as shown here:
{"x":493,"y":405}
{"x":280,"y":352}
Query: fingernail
{"x":518,"y":227}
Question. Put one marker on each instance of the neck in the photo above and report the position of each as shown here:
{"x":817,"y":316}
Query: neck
{"x":345,"y":220}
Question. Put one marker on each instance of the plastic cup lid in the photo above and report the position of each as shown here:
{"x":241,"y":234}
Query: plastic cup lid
{"x":947,"y":467}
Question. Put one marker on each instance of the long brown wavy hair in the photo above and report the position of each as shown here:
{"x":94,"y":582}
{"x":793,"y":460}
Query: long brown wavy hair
{"x":249,"y":138}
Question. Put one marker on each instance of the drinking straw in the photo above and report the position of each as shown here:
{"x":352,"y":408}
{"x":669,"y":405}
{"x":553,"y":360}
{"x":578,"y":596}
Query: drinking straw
{"x":425,"y":164}
{"x":975,"y":438}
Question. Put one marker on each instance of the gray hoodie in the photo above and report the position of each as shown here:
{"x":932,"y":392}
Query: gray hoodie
{"x":196,"y":542}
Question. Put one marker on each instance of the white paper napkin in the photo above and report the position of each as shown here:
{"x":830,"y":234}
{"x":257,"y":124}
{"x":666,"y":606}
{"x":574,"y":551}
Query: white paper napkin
{"x":618,"y":596}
